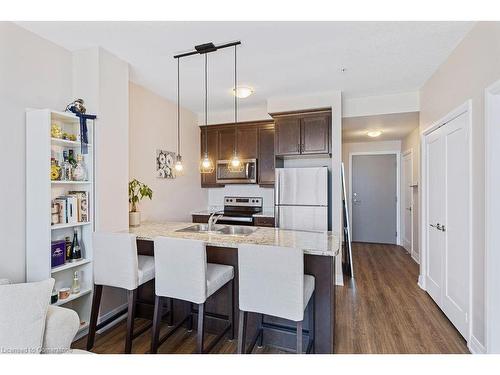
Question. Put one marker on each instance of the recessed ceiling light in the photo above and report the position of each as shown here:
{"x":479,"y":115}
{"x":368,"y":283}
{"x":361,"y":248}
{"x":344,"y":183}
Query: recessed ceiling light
{"x":243,"y":92}
{"x":374,"y":133}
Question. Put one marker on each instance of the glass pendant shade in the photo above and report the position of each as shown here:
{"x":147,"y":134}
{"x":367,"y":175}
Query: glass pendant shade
{"x":206,"y":165}
{"x":235,"y":165}
{"x":178,"y":164}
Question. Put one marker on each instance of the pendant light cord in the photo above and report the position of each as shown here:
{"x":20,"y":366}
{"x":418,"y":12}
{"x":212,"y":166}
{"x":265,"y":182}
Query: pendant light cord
{"x":206,"y":106}
{"x":235,"y":104}
{"x":178,"y":108}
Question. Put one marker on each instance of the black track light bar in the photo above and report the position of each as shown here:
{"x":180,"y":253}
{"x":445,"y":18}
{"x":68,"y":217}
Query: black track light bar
{"x":206,"y":48}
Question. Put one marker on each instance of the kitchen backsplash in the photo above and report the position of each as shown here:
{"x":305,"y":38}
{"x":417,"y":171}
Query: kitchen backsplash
{"x":216,"y":195}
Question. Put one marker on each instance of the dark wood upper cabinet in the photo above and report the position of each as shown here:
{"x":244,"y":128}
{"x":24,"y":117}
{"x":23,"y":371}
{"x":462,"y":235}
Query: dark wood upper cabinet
{"x":247,"y":142}
{"x":315,"y":134}
{"x":208,"y":179}
{"x":266,"y":159}
{"x":288,"y":135}
{"x":226,"y":141}
{"x":305,"y":133}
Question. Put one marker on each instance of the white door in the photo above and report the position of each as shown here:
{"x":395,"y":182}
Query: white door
{"x":447,"y":267}
{"x":456,"y":223}
{"x":435,"y":213}
{"x":408,"y":201}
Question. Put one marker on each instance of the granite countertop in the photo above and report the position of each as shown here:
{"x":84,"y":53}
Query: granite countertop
{"x":314,"y":243}
{"x":266,"y":212}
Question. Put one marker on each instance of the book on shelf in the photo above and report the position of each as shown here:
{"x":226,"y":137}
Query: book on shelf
{"x":73,"y":207}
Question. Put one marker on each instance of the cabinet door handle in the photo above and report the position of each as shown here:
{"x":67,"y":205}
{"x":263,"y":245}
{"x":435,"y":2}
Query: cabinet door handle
{"x":298,"y":147}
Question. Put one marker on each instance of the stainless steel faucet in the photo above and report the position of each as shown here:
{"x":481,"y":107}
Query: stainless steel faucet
{"x":213,"y":219}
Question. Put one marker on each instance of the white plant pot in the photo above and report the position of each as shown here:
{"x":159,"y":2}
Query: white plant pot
{"x":134,"y":219}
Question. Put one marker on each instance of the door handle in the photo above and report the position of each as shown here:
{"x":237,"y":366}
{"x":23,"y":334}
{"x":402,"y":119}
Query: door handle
{"x":409,"y":209}
{"x":439,"y":227}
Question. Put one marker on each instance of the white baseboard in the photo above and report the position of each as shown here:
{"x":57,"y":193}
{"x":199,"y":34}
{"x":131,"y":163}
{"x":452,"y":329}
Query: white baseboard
{"x":108,"y":315}
{"x":421,"y":282}
{"x":415,"y":257}
{"x":475,"y":346}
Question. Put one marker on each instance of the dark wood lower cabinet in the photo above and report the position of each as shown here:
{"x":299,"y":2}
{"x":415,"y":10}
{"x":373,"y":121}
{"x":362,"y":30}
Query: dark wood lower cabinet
{"x":261,"y":221}
{"x":321,"y":267}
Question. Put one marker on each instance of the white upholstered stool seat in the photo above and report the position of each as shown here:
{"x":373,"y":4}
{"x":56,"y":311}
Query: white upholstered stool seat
{"x":117,"y":264}
{"x":218,"y":275}
{"x":308,"y":288}
{"x":272,"y":282}
{"x":146,"y":268}
{"x":182,"y":272}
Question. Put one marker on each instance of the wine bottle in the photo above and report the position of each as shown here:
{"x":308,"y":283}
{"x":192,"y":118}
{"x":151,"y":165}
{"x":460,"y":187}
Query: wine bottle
{"x":76,"y":251}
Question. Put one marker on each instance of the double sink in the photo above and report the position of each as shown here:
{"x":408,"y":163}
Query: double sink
{"x":232,"y":230}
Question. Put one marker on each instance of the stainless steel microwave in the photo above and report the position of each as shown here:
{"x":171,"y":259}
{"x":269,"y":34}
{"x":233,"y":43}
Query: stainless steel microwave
{"x":247,"y":176}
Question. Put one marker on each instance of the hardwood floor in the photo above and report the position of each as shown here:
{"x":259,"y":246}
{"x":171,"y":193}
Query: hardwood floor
{"x":382,"y":311}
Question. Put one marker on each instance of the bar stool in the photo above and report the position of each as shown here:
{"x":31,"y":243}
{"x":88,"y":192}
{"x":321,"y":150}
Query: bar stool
{"x":182,"y":272}
{"x":272,"y":282}
{"x":117,"y":264}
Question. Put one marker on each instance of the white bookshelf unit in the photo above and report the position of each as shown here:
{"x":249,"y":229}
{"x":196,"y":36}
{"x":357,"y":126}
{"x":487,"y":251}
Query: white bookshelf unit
{"x":40,"y":191}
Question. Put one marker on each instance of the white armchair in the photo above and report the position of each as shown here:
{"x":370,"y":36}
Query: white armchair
{"x":29,"y":325}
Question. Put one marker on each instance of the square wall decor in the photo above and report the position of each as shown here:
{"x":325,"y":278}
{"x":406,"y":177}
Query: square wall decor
{"x":165,"y":161}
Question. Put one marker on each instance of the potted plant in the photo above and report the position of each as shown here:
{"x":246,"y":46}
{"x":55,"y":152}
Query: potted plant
{"x":136,"y":192}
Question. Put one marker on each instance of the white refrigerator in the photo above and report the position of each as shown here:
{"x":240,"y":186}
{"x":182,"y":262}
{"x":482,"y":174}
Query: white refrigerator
{"x":301,"y":198}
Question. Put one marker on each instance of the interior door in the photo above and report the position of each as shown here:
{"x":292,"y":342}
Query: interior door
{"x":408,"y":201}
{"x":374,"y":198}
{"x":455,"y":302}
{"x":448,"y":230}
{"x":435,"y":212}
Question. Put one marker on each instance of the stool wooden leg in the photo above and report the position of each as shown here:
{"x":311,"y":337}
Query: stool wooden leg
{"x":171,"y":312}
{"x":96,"y":301}
{"x":156,"y":324}
{"x":299,"y":337}
{"x":261,"y":333}
{"x":201,"y":328}
{"x":242,"y":332}
{"x":312,"y":321}
{"x":190,"y":320}
{"x":132,"y":299}
{"x":231,"y":309}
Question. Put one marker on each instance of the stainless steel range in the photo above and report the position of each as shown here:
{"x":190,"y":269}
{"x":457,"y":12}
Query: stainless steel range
{"x":240,"y":210}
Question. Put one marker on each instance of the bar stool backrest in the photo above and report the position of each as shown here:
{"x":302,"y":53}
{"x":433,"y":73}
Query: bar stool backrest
{"x":180,"y":269}
{"x":271,"y":281}
{"x":115,"y":260}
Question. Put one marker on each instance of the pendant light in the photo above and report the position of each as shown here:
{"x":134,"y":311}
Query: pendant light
{"x":206,"y":164}
{"x":178,"y":162}
{"x":235,"y":165}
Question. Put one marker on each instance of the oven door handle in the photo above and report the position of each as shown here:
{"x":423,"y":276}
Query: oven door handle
{"x":239,"y":219}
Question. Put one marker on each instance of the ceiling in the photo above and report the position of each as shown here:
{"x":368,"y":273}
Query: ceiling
{"x":395,"y":126}
{"x":275,"y":58}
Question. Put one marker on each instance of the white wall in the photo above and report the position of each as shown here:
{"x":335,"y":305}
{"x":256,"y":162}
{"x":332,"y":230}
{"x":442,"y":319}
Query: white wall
{"x":381,"y":105}
{"x":412,"y":142}
{"x":254,"y":113}
{"x":102,"y":80}
{"x":470,"y":68}
{"x":348,"y":148}
{"x":34,"y":73}
{"x":153,"y":125}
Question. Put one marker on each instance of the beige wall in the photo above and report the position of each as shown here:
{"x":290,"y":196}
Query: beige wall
{"x":412,"y":142}
{"x":34,"y":73}
{"x":153,"y":125}
{"x":470,"y":68}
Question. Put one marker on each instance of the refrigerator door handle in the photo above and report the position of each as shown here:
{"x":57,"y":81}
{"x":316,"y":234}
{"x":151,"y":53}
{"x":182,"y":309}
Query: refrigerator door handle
{"x":276,"y":216}
{"x":277,"y":199}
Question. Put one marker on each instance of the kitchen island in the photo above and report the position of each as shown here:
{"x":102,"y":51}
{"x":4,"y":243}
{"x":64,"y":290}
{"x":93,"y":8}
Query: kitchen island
{"x":320,"y":249}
